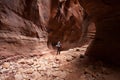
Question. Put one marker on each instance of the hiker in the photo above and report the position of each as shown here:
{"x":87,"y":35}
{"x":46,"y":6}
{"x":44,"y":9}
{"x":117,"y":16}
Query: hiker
{"x":58,"y":46}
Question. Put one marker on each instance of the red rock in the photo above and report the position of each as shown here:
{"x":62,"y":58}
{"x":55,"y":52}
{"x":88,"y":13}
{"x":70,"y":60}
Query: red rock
{"x":65,"y":23}
{"x":105,"y":14}
{"x":22,"y":25}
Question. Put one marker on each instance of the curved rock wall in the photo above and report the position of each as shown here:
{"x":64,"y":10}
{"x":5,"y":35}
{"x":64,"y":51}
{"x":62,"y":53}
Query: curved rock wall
{"x":67,"y":23}
{"x":22,"y":25}
{"x":106,"y":15}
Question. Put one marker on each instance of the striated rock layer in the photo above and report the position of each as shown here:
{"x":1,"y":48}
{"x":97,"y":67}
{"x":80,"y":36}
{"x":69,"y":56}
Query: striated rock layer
{"x":106,"y":15}
{"x":22,"y":25}
{"x":68,"y":23}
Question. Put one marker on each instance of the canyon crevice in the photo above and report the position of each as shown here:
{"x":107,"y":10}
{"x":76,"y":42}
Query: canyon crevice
{"x":106,"y":15}
{"x":68,"y":23}
{"x":26,"y":25}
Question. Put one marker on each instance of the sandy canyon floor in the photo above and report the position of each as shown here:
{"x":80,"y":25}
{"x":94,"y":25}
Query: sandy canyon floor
{"x":69,"y":65}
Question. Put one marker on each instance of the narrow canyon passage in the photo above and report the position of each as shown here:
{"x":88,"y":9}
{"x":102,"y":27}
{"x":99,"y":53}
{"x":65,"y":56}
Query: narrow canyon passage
{"x":30,"y":30}
{"x":69,"y":65}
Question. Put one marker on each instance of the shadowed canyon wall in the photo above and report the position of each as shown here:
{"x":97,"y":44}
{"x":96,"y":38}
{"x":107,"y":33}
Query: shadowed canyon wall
{"x":106,"y":15}
{"x":22,"y":25}
{"x":68,"y":23}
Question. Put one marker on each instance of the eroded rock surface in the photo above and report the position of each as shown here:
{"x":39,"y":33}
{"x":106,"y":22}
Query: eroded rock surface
{"x":68,"y":23}
{"x":106,"y":15}
{"x":22,"y":25}
{"x":57,"y":67}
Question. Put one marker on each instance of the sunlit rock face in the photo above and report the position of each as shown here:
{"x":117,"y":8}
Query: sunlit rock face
{"x":25,"y":25}
{"x":22,"y":25}
{"x":66,"y":23}
{"x":106,"y":15}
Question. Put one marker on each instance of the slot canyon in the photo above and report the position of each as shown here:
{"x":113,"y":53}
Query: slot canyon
{"x":87,"y":29}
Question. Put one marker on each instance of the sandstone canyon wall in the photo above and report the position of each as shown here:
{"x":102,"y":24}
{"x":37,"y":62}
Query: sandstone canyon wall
{"x":106,"y":15}
{"x":22,"y":25}
{"x":68,"y":23}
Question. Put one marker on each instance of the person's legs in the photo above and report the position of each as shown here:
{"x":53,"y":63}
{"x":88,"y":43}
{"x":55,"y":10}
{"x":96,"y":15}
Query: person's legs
{"x":59,"y":50}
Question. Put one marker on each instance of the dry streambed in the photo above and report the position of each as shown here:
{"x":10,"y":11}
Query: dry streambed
{"x":69,"y":65}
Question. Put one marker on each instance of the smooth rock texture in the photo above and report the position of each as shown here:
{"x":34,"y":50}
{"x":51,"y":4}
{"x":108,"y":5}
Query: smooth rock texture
{"x":26,"y":26}
{"x":106,"y":15}
{"x":68,"y":23}
{"x":22,"y":26}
